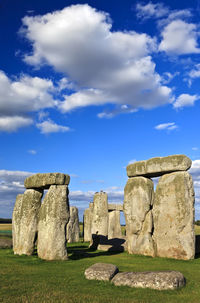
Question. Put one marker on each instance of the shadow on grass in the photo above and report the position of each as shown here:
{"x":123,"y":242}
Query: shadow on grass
{"x":81,"y":252}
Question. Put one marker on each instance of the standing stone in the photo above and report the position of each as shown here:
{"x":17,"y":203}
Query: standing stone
{"x":138,"y":200}
{"x":99,"y":229}
{"x":25,"y":221}
{"x":72,"y":230}
{"x":87,"y":223}
{"x":114,"y":227}
{"x":173,"y":216}
{"x":53,"y":217}
{"x":100,"y":214}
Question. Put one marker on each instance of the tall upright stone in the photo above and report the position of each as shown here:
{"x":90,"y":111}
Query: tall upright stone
{"x":114,"y":227}
{"x":138,"y":200}
{"x":72,"y":231}
{"x":25,"y":221}
{"x":87,"y":223}
{"x":53,"y":217}
{"x":173,"y":215}
{"x":100,"y":214}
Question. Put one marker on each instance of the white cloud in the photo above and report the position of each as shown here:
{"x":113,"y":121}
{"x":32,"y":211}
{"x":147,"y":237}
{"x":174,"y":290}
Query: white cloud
{"x":179,"y":38}
{"x":168,"y":77}
{"x":25,"y":94}
{"x":185,"y":100}
{"x":151,"y":10}
{"x":49,"y":126}
{"x":105,"y":66}
{"x":166,"y":126}
{"x":195,"y":73}
{"x":195,"y":148}
{"x":32,"y":151}
{"x":13,"y":123}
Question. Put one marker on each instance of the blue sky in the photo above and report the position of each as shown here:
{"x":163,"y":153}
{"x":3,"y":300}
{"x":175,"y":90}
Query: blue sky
{"x":88,"y":87}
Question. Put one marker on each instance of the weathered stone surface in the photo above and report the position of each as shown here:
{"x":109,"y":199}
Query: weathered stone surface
{"x":156,"y":167}
{"x":72,"y":230}
{"x":138,"y":199}
{"x":5,"y":243}
{"x":100,"y":214}
{"x":115,"y":207}
{"x":101,"y":271}
{"x":173,"y":216}
{"x":25,"y":221}
{"x":53,"y":217}
{"x":161,"y":280}
{"x":114,"y":227}
{"x":44,"y":181}
{"x":87,"y":223}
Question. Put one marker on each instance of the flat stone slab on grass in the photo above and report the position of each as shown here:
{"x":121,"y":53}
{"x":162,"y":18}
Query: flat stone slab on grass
{"x":101,"y":271}
{"x":44,"y":181}
{"x":5,"y":243}
{"x":156,"y":167}
{"x":161,"y":280}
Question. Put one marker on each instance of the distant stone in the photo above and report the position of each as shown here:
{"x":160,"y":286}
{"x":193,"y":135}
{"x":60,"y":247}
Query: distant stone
{"x":5,"y":243}
{"x":116,"y":244}
{"x":87,"y":223}
{"x":156,"y":167}
{"x":99,"y":226}
{"x":138,"y":200}
{"x":44,"y":181}
{"x":25,"y":221}
{"x":114,"y":227}
{"x":173,"y":216}
{"x":53,"y":217}
{"x":161,"y":280}
{"x":72,"y":230}
{"x":115,"y":207}
{"x":101,"y":271}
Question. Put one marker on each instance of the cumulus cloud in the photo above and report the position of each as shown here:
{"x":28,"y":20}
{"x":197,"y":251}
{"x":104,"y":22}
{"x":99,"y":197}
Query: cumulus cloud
{"x":179,"y":38}
{"x":49,"y":126}
{"x":25,"y":94}
{"x":13,"y":123}
{"x":160,"y":12}
{"x":195,"y":73}
{"x":166,"y":126}
{"x":185,"y":100}
{"x":151,"y":10}
{"x":102,"y":66}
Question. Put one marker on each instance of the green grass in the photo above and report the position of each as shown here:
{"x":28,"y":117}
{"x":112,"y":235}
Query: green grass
{"x":29,"y":279}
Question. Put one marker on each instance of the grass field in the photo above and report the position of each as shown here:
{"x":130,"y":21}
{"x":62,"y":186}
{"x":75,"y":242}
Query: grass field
{"x":30,"y":279}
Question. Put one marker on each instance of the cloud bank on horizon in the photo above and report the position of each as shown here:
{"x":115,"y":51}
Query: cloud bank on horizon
{"x":99,"y":66}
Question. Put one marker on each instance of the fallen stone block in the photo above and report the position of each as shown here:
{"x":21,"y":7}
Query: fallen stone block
{"x":6,"y":243}
{"x":101,"y":271}
{"x":159,"y":166}
{"x":44,"y":181}
{"x":161,"y":280}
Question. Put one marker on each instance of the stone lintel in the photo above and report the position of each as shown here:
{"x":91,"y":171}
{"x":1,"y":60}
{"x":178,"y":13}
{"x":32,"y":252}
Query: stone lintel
{"x":118,"y":207}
